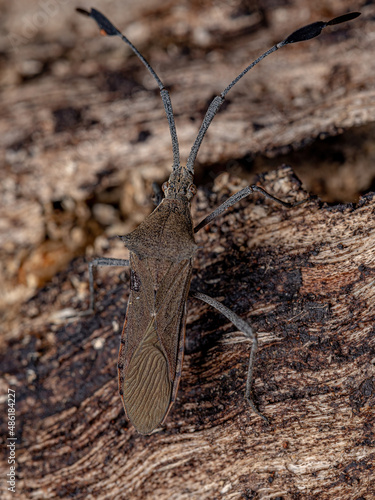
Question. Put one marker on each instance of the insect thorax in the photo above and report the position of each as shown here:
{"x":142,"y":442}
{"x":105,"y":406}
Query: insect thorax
{"x":167,"y":233}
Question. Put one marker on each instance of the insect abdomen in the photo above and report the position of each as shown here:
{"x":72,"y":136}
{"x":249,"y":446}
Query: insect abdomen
{"x":150,"y":356}
{"x":147,"y":386}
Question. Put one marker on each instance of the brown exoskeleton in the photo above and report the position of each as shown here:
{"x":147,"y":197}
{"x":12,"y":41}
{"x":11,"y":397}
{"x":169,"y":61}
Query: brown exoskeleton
{"x":162,"y":250}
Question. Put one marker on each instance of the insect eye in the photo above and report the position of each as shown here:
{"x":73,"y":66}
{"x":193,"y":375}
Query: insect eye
{"x":165,"y":186}
{"x":193,"y":189}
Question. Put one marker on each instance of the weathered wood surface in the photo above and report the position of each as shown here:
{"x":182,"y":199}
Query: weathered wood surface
{"x":79,"y":154}
{"x":304,"y":278}
{"x":83,"y":132}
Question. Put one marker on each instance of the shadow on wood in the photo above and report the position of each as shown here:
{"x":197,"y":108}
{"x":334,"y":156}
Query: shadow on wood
{"x":304,"y":279}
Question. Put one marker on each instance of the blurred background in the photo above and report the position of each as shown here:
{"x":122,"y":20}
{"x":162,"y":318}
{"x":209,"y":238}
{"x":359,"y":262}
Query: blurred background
{"x":83,"y":132}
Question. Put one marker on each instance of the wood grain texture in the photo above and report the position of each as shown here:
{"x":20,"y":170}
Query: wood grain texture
{"x":83,"y":132}
{"x":79,"y":153}
{"x":304,"y":279}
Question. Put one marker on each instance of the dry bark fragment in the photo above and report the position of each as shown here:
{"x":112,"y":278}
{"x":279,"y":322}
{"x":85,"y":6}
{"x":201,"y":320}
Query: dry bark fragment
{"x":304,"y":279}
{"x":80,"y":122}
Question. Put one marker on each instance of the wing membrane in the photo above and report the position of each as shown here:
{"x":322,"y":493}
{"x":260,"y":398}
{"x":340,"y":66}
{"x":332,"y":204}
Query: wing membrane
{"x":152,"y":343}
{"x":147,"y":387}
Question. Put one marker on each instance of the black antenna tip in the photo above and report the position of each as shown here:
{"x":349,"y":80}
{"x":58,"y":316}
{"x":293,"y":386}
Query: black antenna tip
{"x":105,"y":25}
{"x":305,"y":33}
{"x":314,"y":29}
{"x":83,"y":11}
{"x":344,"y":18}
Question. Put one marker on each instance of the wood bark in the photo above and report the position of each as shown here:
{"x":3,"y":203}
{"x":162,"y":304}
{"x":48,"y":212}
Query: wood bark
{"x":81,"y":148}
{"x":83,"y":131}
{"x":304,"y":279}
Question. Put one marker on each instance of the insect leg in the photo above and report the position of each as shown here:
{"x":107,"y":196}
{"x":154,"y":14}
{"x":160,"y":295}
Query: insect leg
{"x":245,"y":328}
{"x":103,"y":261}
{"x":247,"y":191}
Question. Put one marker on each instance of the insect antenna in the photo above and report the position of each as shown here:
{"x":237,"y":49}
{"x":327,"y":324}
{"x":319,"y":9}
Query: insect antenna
{"x":107,"y":28}
{"x":306,"y":33}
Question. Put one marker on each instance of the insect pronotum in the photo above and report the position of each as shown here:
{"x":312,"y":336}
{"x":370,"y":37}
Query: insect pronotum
{"x":162,"y":250}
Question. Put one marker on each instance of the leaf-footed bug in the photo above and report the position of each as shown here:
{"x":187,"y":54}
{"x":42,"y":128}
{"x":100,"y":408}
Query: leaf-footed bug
{"x":162,"y":250}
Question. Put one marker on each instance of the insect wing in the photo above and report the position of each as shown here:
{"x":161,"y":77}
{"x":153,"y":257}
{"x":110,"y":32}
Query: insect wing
{"x":152,"y":341}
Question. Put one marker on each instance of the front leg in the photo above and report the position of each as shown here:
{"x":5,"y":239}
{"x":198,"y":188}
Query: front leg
{"x":235,"y":198}
{"x":245,"y":328}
